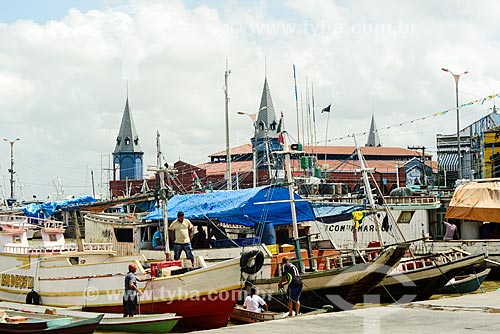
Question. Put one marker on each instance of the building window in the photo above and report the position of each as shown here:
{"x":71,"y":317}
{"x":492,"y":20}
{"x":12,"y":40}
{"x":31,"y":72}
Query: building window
{"x":16,"y":239}
{"x":127,"y":141}
{"x":136,"y":140}
{"x":118,"y":140}
{"x":53,"y":237}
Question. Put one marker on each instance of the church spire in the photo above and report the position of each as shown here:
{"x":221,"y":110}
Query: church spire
{"x":373,"y":137}
{"x":127,"y":140}
{"x":266,"y":118}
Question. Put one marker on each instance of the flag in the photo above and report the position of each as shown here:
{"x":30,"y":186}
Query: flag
{"x":279,"y":129}
{"x":326,"y":109}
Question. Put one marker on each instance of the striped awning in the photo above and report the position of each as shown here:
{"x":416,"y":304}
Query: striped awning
{"x":448,"y":161}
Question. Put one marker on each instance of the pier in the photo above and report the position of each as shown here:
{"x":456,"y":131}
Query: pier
{"x":475,"y":313}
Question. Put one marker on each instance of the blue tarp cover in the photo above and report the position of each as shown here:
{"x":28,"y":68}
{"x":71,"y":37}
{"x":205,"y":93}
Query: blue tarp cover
{"x":334,"y":212}
{"x":49,"y":208}
{"x":238,"y":207}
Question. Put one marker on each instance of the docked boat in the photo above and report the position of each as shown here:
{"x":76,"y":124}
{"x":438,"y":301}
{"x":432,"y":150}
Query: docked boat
{"x":14,"y":322}
{"x":91,"y":275}
{"x":419,"y":278}
{"x":241,"y":314}
{"x":475,"y":208}
{"x":465,"y":283}
{"x":140,"y":323}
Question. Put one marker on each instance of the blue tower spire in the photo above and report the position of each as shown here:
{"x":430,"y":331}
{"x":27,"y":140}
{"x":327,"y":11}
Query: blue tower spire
{"x":128,"y":154}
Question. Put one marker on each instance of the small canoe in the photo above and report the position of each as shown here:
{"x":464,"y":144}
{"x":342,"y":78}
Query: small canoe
{"x":241,"y":314}
{"x":19,"y":322}
{"x":464,"y":284}
{"x":141,"y":323}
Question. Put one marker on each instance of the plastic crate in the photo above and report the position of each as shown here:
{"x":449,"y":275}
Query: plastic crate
{"x":274,"y":249}
{"x":164,"y":264}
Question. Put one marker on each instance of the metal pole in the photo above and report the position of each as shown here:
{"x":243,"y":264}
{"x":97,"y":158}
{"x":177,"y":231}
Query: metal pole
{"x":254,"y":154}
{"x":228,"y":152}
{"x":11,"y":169}
{"x":457,"y":77}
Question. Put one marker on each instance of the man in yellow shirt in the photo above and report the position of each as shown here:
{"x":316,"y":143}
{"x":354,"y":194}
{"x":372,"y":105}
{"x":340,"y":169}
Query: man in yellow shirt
{"x":181,"y":231}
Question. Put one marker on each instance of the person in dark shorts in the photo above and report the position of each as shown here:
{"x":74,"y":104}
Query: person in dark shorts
{"x":291,"y":276}
{"x":130,"y":304}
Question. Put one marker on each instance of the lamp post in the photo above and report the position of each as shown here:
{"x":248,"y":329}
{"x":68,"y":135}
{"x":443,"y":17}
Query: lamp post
{"x":254,"y":147}
{"x":457,"y":78}
{"x":11,"y":170}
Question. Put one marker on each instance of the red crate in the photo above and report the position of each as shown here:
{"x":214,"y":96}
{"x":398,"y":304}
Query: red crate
{"x":164,"y":264}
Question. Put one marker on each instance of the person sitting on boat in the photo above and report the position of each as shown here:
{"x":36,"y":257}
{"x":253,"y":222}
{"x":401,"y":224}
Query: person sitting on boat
{"x":254,"y":302}
{"x":451,"y":231}
{"x":131,"y":292}
{"x":291,"y":276}
{"x":157,"y":241}
{"x":182,"y":230}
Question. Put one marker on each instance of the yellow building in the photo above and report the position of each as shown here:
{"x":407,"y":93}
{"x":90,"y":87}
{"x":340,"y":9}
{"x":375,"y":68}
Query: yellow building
{"x":491,"y":144}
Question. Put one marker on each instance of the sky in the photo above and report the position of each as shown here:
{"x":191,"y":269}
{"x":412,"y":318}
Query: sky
{"x":64,"y":68}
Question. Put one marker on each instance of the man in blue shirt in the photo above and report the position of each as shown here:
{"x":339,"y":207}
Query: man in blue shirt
{"x":158,"y":240}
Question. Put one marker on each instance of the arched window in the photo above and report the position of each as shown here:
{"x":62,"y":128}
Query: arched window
{"x":136,"y":140}
{"x":118,"y":140}
{"x":127,"y":141}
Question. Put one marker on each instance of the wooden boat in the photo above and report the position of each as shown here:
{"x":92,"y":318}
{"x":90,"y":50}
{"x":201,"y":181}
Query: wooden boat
{"x":91,"y":275}
{"x":141,"y":323}
{"x":464,"y":284}
{"x":419,"y":278}
{"x":341,"y":283}
{"x":21,"y":322}
{"x":241,"y":314}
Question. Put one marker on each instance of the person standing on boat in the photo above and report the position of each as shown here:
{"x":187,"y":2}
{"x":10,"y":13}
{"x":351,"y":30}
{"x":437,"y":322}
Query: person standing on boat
{"x":130,"y":304}
{"x":291,"y":276}
{"x":182,"y":230}
{"x":253,"y":302}
{"x":451,"y":231}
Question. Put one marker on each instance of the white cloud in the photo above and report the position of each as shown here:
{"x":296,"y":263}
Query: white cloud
{"x":62,"y":83}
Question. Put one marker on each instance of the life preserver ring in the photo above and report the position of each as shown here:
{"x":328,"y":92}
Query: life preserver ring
{"x":251,"y":262}
{"x":33,"y":298}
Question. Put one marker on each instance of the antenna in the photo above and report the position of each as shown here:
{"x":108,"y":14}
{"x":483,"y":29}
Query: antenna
{"x":265,"y":67}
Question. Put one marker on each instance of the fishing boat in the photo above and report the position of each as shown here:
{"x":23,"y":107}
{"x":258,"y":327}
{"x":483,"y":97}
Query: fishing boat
{"x":418,"y":278}
{"x":91,"y":275}
{"x":140,"y":323}
{"x":465,"y":283}
{"x":475,"y":208}
{"x":14,"y":322}
{"x":241,"y":314}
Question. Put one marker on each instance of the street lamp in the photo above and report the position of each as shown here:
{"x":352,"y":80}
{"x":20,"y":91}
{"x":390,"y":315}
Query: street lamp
{"x":457,"y":77}
{"x":11,"y":170}
{"x":254,"y":147}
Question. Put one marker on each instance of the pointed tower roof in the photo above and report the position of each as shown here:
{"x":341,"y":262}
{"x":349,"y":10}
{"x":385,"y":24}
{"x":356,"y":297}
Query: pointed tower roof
{"x":373,"y":138}
{"x":127,"y":140}
{"x":266,"y":117}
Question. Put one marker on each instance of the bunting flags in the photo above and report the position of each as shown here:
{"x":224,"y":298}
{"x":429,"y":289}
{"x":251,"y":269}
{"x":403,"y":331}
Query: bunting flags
{"x":479,"y":101}
{"x":326,"y":109}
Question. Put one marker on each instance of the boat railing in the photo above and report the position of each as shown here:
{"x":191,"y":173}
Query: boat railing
{"x":323,"y":262}
{"x":49,"y":223}
{"x":57,"y":249}
{"x":103,"y":246}
{"x":389,"y":200}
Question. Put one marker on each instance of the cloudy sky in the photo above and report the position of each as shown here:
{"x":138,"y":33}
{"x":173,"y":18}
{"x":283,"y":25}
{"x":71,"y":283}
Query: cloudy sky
{"x":64,"y":65}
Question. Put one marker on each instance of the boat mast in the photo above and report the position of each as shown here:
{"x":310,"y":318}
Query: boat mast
{"x":295,"y":229}
{"x":163,"y":192}
{"x":228,"y":152}
{"x":368,"y":189}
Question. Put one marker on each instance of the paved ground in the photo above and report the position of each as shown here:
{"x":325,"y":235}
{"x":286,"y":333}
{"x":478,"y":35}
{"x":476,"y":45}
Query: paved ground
{"x":472,"y":313}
